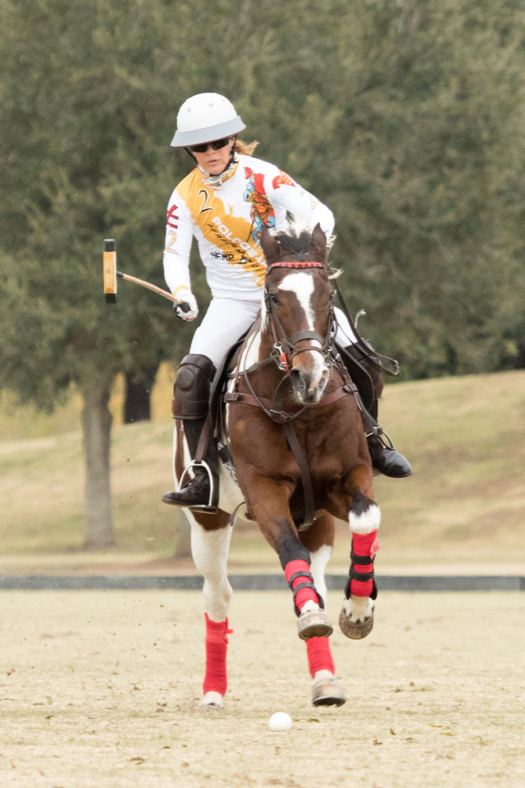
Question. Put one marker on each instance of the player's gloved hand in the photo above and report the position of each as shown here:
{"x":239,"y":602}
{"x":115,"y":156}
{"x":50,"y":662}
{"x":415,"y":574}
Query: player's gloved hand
{"x":186,"y":307}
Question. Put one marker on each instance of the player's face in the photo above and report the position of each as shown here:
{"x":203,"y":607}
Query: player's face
{"x":215,"y":161}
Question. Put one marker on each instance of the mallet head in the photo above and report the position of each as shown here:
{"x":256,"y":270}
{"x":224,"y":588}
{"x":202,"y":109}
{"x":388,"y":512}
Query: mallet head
{"x":110,"y":271}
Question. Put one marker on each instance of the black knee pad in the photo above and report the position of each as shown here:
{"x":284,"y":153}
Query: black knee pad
{"x":192,"y":387}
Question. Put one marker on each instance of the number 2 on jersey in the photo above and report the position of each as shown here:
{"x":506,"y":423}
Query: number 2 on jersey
{"x":204,"y":194}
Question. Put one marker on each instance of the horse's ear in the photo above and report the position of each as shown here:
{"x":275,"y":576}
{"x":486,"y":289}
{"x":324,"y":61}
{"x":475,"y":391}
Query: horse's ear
{"x":270,"y":246}
{"x":317,"y":247}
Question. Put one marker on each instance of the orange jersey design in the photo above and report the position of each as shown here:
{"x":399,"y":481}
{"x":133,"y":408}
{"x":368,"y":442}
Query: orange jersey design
{"x":227,"y":223}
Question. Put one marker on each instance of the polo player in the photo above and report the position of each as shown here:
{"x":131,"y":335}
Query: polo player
{"x":224,"y":203}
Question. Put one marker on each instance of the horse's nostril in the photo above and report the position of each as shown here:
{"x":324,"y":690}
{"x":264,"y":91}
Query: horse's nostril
{"x":298,"y":379}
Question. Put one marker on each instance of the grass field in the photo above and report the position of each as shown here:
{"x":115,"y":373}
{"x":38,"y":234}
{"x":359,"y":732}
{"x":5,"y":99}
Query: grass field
{"x":464,"y":505}
{"x":101,"y":689}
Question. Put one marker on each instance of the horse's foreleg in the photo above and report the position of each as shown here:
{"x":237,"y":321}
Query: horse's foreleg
{"x":326,"y":690}
{"x":356,"y":619}
{"x":210,"y":554}
{"x":268,"y":502}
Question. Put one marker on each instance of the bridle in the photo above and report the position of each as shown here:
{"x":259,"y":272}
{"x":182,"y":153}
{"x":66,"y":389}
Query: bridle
{"x":285,"y":348}
{"x":283,"y":352}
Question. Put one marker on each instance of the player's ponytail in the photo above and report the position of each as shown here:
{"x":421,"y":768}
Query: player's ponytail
{"x":246,"y":148}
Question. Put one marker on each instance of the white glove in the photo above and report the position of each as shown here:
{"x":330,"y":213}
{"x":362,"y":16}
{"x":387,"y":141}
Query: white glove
{"x":186,"y":307}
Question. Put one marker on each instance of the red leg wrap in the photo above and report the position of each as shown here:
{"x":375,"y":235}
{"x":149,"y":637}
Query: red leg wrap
{"x":305,"y":594}
{"x":367,"y":545}
{"x":216,"y":647}
{"x":319,"y":655}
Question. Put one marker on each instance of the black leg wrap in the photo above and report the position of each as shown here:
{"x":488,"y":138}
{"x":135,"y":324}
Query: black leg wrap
{"x":309,"y":583}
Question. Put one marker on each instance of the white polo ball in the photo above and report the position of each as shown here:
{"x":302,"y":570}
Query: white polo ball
{"x":280,"y":721}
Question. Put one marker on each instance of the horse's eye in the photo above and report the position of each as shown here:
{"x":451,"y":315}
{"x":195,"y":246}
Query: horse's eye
{"x":274,"y":298}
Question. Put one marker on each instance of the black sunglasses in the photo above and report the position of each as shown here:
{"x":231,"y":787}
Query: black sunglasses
{"x":217,"y":145}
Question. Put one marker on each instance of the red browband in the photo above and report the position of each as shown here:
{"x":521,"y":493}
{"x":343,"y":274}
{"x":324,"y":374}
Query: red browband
{"x":294,"y":265}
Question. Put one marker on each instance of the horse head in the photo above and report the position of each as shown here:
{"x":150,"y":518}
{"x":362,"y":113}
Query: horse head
{"x":298,"y":308}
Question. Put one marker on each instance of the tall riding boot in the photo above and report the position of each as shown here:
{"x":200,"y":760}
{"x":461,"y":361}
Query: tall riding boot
{"x":384,"y":457}
{"x":192,"y":389}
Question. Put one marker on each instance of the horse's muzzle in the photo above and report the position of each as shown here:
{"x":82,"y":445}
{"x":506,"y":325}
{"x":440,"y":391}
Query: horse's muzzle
{"x":309,"y":387}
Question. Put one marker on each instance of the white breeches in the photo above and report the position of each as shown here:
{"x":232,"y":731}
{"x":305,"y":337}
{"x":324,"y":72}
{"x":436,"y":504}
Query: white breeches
{"x":227,"y":319}
{"x":345,"y":336}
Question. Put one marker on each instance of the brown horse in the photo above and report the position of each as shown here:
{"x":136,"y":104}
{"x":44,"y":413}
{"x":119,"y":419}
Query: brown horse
{"x":293,"y":424}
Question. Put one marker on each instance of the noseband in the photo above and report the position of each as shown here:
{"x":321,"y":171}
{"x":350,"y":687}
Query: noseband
{"x":284,"y":346}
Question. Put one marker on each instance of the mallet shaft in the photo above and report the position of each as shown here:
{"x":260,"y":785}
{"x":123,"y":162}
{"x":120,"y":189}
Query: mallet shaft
{"x":155,"y":289}
{"x":111,"y":273}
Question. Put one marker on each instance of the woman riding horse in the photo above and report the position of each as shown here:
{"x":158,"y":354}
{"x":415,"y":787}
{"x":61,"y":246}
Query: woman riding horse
{"x":225,"y":202}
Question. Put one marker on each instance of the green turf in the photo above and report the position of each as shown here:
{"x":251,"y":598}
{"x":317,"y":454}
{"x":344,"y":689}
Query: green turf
{"x":465,"y":501}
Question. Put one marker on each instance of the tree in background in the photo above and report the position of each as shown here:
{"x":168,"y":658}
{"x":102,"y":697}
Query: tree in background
{"x":406,"y":119}
{"x":84,"y":151}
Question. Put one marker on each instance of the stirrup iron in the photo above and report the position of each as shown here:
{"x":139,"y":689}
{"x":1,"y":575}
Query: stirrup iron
{"x":209,"y":507}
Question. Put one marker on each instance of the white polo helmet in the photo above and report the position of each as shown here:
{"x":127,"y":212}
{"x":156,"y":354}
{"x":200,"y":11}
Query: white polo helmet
{"x":204,"y":118}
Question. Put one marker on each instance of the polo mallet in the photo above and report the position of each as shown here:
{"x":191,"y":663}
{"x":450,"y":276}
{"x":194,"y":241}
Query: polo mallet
{"x":111,"y":274}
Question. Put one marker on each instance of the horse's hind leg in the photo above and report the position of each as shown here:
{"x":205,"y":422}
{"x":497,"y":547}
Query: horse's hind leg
{"x":326,"y":689}
{"x":357,"y":614}
{"x":210,"y":544}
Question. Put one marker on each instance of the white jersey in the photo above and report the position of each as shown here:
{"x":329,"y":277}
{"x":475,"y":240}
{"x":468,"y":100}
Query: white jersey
{"x":227,"y":222}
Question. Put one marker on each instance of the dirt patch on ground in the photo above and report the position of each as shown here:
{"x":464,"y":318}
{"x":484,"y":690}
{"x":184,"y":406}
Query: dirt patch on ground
{"x":101,"y":689}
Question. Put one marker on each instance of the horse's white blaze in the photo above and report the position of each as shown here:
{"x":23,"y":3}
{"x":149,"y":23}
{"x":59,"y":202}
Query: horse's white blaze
{"x":302,"y":284}
{"x":319,"y":560}
{"x":367,"y":521}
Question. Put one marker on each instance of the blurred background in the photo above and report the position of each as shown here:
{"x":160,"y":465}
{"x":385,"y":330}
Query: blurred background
{"x":405,"y":118}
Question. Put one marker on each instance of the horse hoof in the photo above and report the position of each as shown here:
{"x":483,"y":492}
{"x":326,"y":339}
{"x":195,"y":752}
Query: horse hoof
{"x":212,"y":701}
{"x":327,"y":692}
{"x":314,"y":624}
{"x":355,"y":630}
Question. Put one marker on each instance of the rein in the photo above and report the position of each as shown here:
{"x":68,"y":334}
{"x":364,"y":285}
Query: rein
{"x":282,"y":348}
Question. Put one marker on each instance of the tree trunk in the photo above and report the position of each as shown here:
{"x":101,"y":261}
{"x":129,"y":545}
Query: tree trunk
{"x":96,"y":425}
{"x":137,"y":404}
